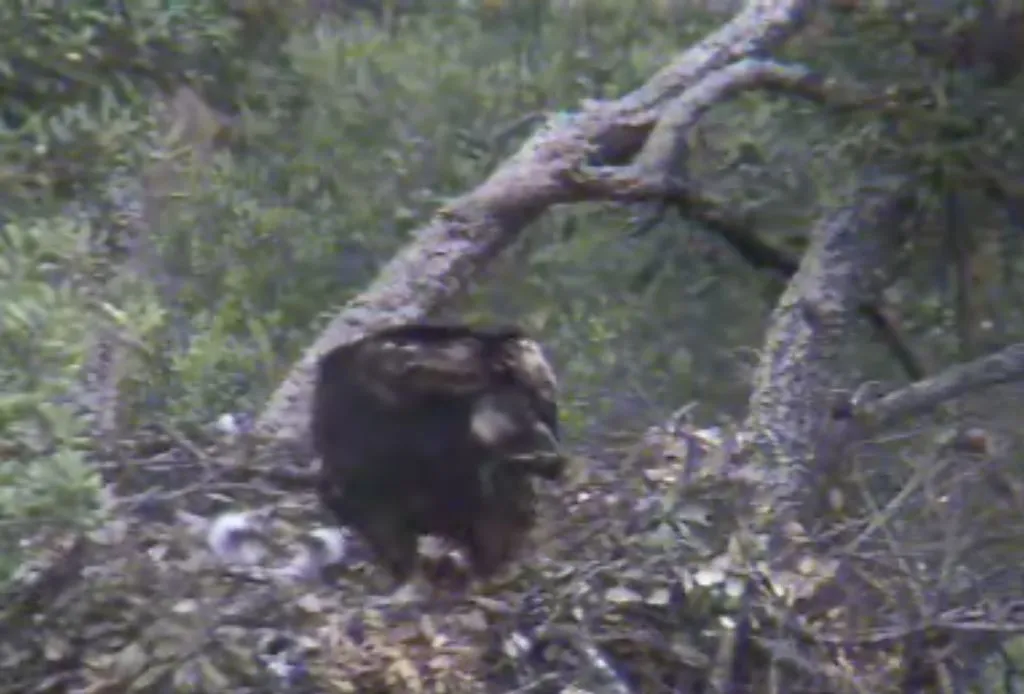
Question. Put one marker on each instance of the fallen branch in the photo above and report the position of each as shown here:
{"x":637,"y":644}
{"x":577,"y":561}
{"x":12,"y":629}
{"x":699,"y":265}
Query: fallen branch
{"x":462,"y":238}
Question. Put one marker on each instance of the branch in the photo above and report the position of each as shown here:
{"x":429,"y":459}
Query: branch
{"x":736,"y":230}
{"x":791,"y":437}
{"x":666,"y":143}
{"x":1004,"y":366}
{"x":457,"y":244}
{"x":650,"y":179}
{"x":847,"y":265}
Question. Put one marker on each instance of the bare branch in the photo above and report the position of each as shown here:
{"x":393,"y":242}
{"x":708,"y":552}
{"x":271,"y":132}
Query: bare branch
{"x":650,"y":177}
{"x":1004,"y":366}
{"x":457,"y":244}
{"x":666,"y":144}
{"x":843,"y":271}
{"x":591,"y":655}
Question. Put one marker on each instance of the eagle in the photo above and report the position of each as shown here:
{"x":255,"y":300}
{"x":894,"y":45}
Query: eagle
{"x":436,"y":429}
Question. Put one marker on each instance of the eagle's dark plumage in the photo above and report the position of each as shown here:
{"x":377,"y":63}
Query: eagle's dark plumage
{"x":436,"y":430}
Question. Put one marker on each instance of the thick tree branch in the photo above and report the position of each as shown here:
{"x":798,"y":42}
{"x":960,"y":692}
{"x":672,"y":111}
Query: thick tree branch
{"x":649,"y":176}
{"x":789,"y":428}
{"x":847,"y":265}
{"x":457,"y":244}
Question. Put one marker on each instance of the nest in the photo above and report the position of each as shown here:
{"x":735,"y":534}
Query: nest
{"x":613,"y":595}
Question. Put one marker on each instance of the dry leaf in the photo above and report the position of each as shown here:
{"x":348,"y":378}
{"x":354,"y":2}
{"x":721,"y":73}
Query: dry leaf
{"x":474,"y":621}
{"x":620,"y":595}
{"x":129,"y":661}
{"x":213,"y":678}
{"x":188,"y":606}
{"x":310,"y":603}
{"x":659,"y":597}
{"x":55,"y":649}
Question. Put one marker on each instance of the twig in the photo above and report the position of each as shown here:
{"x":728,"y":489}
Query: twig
{"x":183,"y":441}
{"x":595,"y":659}
{"x":1004,"y":366}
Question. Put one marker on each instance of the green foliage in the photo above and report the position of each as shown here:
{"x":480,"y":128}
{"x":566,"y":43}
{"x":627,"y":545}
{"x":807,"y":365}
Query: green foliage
{"x":43,"y":337}
{"x":350,"y":138}
{"x":44,"y":477}
{"x":209,"y":262}
{"x":215,"y":371}
{"x":74,"y":80}
{"x":44,"y":494}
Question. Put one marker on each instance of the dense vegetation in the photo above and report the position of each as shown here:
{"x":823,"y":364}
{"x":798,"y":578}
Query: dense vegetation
{"x":189,"y":189}
{"x":209,"y":230}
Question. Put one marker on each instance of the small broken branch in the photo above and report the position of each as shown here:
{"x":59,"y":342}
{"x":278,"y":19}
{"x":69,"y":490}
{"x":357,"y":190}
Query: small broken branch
{"x":591,"y":654}
{"x":1004,"y":366}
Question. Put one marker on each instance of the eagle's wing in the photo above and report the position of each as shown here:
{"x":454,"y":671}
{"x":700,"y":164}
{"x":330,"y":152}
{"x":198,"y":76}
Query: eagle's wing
{"x":525,"y":360}
{"x":405,"y":370}
{"x":405,"y":365}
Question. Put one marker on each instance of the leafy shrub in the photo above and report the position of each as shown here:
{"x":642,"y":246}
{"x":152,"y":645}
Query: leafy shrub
{"x":44,"y":337}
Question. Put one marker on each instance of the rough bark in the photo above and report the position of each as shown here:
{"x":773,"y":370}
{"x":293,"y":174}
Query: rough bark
{"x":799,"y":440}
{"x":456,"y":245}
{"x":797,"y":423}
{"x":849,"y":262}
{"x":791,"y":436}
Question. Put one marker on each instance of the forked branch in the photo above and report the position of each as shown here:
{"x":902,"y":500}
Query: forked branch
{"x":650,"y":177}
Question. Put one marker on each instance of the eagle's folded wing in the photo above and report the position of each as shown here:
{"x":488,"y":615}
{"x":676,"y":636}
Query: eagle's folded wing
{"x":407,"y":372}
{"x":405,"y":366}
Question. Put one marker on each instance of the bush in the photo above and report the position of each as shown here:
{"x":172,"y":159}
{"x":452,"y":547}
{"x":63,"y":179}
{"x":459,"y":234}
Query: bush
{"x":45,"y":331}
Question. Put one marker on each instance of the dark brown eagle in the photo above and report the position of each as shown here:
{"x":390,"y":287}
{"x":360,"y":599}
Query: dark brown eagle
{"x":427,"y":429}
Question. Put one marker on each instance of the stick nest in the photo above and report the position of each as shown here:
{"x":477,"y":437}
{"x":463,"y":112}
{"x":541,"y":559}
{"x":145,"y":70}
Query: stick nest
{"x":608,"y":598}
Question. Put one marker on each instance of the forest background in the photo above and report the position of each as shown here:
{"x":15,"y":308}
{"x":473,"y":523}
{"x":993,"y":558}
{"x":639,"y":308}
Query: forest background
{"x":191,"y":190}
